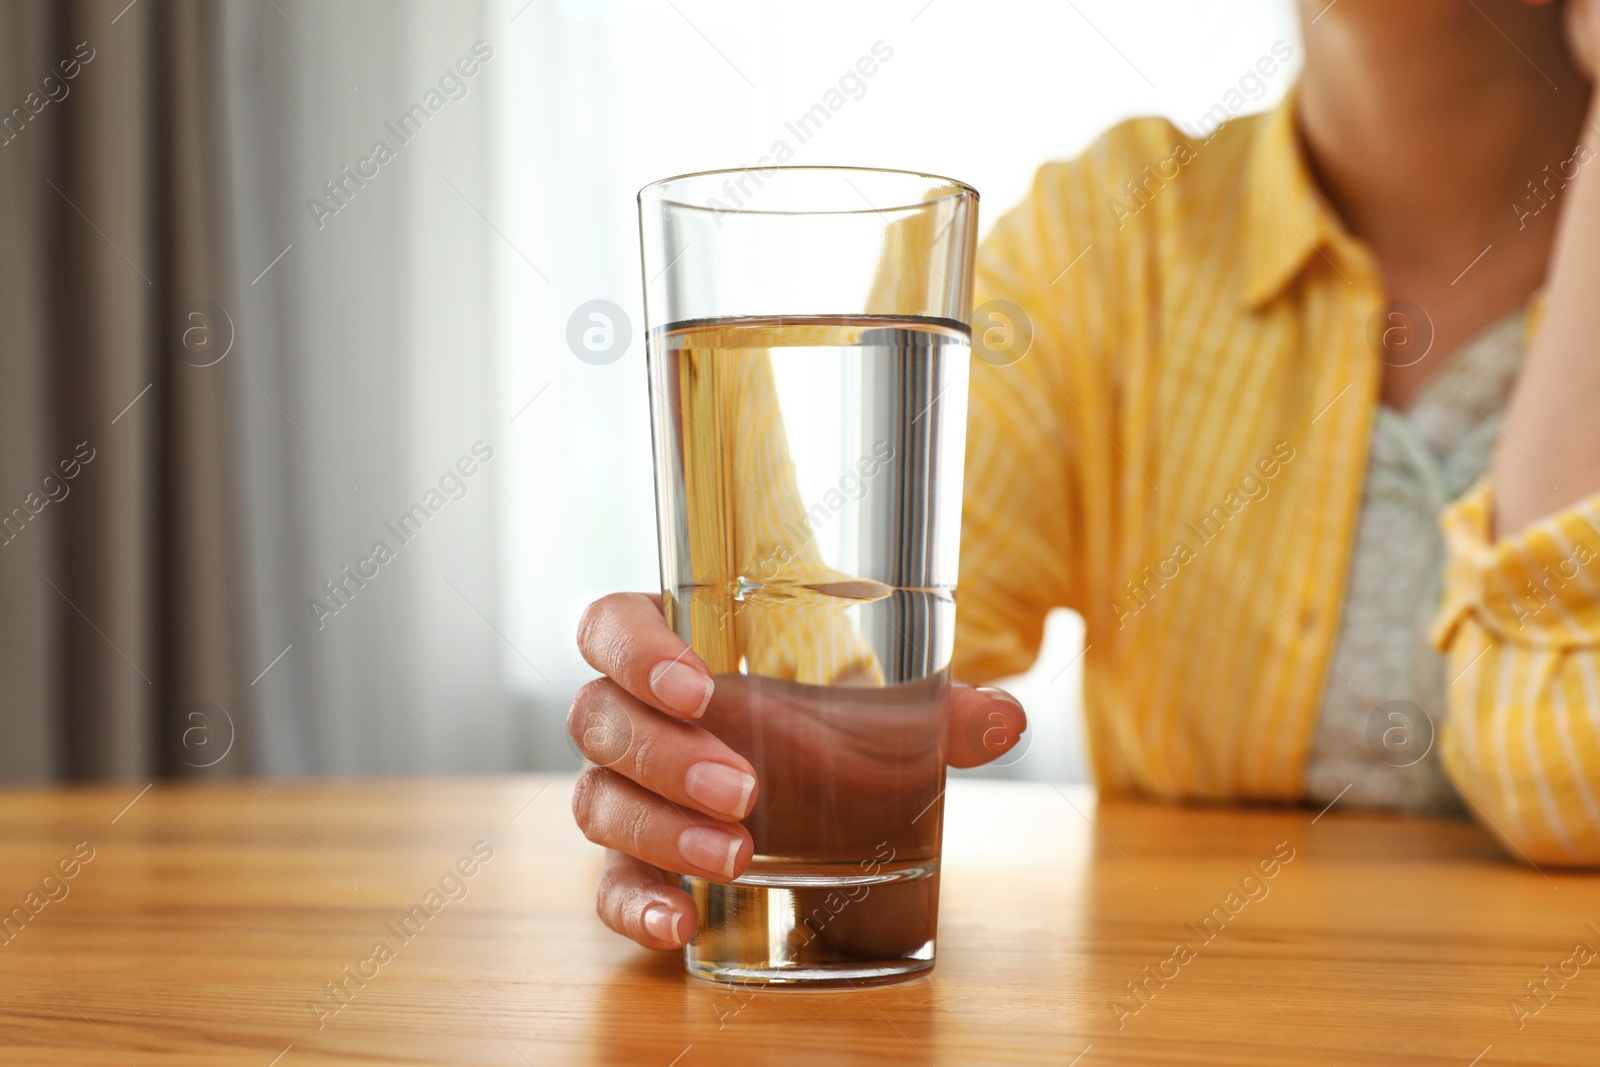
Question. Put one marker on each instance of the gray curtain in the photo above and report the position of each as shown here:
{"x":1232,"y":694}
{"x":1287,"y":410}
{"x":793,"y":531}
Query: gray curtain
{"x":120,"y":615}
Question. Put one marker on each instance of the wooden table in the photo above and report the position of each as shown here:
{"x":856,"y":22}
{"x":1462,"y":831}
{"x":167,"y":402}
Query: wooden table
{"x":209,"y":918}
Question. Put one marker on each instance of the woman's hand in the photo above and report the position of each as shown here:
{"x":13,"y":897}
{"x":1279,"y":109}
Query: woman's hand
{"x":1582,"y":19}
{"x":666,"y":796}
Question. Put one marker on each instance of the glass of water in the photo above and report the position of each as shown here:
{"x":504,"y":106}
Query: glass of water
{"x":808,"y":347}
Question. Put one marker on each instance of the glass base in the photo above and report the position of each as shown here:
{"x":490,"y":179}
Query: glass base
{"x":815,"y":926}
{"x":820,"y":976}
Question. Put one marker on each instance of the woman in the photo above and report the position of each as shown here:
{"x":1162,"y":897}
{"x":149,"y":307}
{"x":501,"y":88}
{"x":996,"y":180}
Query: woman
{"x":1262,"y":442}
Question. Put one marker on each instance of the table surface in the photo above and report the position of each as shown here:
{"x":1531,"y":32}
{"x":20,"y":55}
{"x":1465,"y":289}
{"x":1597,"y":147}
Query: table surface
{"x":202,"y":923}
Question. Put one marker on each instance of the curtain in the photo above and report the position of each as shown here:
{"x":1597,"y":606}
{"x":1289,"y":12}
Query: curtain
{"x":368,"y":409}
{"x":121,"y":624}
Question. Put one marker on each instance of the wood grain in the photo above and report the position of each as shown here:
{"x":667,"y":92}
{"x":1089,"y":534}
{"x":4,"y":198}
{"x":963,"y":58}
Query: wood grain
{"x":205,"y":925}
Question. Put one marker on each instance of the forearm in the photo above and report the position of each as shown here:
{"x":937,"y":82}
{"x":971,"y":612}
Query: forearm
{"x":1548,"y":456}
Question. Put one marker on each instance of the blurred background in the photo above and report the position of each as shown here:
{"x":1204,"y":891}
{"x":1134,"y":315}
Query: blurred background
{"x":282,"y":280}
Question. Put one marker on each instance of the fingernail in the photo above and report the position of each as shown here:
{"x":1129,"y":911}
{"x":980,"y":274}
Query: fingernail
{"x":719,"y":787}
{"x":710,"y":849}
{"x":681,"y":687}
{"x":661,"y":923}
{"x":1016,"y":722}
{"x":1009,"y":709}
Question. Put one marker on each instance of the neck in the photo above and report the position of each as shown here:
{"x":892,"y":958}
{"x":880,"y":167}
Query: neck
{"x":1424,"y":125}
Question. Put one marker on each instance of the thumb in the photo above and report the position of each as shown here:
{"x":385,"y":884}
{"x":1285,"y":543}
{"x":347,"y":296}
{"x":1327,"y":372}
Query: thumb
{"x":1582,"y":23}
{"x":984,"y":724}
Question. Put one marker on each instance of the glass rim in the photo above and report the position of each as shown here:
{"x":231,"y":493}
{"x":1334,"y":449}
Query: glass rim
{"x":956,"y":189}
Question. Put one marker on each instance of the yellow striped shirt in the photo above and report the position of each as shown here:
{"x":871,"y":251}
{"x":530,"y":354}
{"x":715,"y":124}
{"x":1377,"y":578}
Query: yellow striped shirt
{"x":1180,"y":457}
{"x":747,"y":520}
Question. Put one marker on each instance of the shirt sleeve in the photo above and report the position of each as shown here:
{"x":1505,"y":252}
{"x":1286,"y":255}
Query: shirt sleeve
{"x":749,"y":489}
{"x":1029,"y":477}
{"x":1520,"y":627}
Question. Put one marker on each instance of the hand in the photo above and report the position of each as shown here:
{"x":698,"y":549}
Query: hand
{"x":667,"y":793}
{"x":1582,"y":20}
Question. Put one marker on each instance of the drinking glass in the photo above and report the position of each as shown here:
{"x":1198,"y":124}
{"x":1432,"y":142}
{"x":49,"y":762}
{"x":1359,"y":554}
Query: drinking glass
{"x":808,"y":348}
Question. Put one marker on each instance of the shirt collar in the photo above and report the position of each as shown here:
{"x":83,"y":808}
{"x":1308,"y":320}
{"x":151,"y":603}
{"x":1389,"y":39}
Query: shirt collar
{"x":1287,"y":220}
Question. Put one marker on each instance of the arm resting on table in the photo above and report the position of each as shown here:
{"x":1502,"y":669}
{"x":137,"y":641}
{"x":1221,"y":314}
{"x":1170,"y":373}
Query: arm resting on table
{"x":1520,"y":627}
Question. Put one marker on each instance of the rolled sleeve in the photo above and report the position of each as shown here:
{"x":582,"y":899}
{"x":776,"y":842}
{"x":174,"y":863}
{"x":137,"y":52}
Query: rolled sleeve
{"x":1520,"y":627}
{"x":1539,"y":587}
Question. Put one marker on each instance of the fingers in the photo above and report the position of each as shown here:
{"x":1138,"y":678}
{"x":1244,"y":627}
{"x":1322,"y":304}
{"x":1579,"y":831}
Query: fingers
{"x":984,"y":724}
{"x":683,"y":763}
{"x":619,"y":814}
{"x":1581,"y":23}
{"x":624,"y":637}
{"x":638,"y":902}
